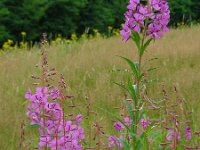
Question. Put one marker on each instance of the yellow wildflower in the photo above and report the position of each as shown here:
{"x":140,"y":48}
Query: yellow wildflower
{"x":23,"y":33}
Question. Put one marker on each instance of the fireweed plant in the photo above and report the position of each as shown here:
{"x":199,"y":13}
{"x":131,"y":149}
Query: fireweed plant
{"x":145,"y":21}
{"x":46,"y":110}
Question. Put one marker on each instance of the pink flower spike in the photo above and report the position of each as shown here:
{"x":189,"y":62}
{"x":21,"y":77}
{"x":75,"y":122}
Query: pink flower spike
{"x":145,"y":123}
{"x":133,"y":4}
{"x":118,"y":126}
{"x":152,"y":18}
{"x":188,"y":133}
{"x":54,"y":132}
{"x":126,"y":35}
{"x":112,"y":141}
{"x":55,"y":93}
{"x":128,"y":121}
{"x":78,"y":119}
{"x":28,"y":94}
{"x":171,"y":135}
{"x":165,"y":29}
{"x":137,"y":28}
{"x":44,"y":140}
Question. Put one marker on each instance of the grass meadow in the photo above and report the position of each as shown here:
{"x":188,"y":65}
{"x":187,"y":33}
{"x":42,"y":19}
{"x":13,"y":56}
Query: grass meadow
{"x":90,"y":69}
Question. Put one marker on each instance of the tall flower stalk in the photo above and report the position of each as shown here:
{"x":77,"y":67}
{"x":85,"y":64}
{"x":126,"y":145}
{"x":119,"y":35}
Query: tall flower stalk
{"x":145,"y":21}
{"x":46,"y":110}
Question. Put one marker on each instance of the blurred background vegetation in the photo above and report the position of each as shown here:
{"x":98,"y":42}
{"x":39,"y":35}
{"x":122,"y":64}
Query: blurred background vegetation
{"x":65,"y":17}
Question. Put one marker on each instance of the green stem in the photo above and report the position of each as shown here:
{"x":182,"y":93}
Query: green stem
{"x":138,"y":80}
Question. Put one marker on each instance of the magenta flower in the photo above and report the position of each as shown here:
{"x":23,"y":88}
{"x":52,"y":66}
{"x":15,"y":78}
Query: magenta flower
{"x":171,"y":135}
{"x":78,"y":119}
{"x":28,"y":94}
{"x":81,"y":133}
{"x":145,"y":123}
{"x":188,"y":133}
{"x":41,"y":94}
{"x":154,"y":17}
{"x":118,"y":126}
{"x":133,"y":4}
{"x":54,"y":132}
{"x":126,"y":32}
{"x":114,"y":142}
{"x":42,"y":91}
{"x":44,"y":141}
{"x":128,"y":121}
{"x":55,"y":93}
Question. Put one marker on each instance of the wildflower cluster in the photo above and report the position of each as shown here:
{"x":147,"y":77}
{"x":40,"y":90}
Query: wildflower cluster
{"x":46,"y":112}
{"x":176,"y":121}
{"x":59,"y":39}
{"x":145,"y":123}
{"x":114,"y":141}
{"x":174,"y":135}
{"x":171,"y":135}
{"x":188,"y":133}
{"x":151,"y":18}
{"x":118,"y":126}
{"x":8,"y":45}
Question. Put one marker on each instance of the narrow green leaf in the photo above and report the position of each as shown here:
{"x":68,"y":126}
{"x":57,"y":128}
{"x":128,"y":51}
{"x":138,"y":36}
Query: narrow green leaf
{"x":33,"y":126}
{"x":130,"y":89}
{"x":144,"y":47}
{"x":136,"y":37}
{"x":131,"y":112}
{"x":132,"y":65}
{"x":123,"y":87}
{"x":130,"y":109}
{"x":133,"y":92}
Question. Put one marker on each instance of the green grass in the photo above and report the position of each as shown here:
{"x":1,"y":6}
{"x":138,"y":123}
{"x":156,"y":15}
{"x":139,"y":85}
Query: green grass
{"x":90,"y":68}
